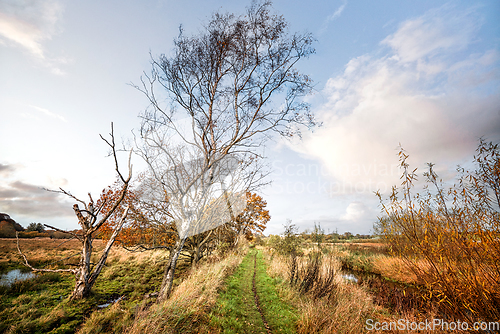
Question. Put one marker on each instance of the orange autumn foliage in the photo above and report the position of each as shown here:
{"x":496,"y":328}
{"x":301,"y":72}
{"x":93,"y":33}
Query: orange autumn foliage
{"x":254,"y":218}
{"x":141,"y":228}
{"x":450,"y":238}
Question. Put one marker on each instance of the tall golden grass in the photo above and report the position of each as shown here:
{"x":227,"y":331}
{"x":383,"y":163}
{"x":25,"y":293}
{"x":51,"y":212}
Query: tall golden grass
{"x":187,"y":309}
{"x":43,"y":251}
{"x":346,"y":312}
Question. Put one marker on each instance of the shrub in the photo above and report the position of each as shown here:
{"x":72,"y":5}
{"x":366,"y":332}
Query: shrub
{"x":35,"y":227}
{"x":33,"y":234}
{"x":451,"y":238}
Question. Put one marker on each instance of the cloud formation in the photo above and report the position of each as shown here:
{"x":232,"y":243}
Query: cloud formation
{"x":5,"y":170}
{"x":426,"y":92}
{"x":49,"y":113}
{"x":357,"y":218}
{"x":18,"y":198}
{"x":28,"y":23}
{"x":333,"y":16}
{"x":437,"y":33}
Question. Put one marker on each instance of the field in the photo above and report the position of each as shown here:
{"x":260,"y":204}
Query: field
{"x":246,"y":291}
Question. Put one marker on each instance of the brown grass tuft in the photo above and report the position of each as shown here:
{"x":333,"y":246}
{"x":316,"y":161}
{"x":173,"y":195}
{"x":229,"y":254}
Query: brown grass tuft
{"x":186,"y":311}
{"x":346,"y":312}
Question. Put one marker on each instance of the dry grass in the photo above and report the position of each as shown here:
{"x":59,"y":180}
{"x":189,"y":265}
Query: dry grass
{"x":42,"y":252}
{"x":345,"y":314}
{"x":348,"y":312}
{"x":394,"y":268}
{"x":186,"y":311}
{"x":376,"y":258}
{"x":8,"y":245}
{"x":115,"y":319}
{"x":373,"y":246}
{"x":46,"y":251}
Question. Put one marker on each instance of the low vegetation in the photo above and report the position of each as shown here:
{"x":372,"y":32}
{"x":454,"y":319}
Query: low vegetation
{"x":435,"y":260}
{"x":450,"y":238}
{"x":42,"y":305}
{"x":250,"y":303}
{"x":216,"y":296}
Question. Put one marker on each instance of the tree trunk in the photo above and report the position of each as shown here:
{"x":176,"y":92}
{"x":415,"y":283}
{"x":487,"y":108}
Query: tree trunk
{"x":84,"y":278}
{"x":196,"y":255}
{"x":168,"y":276}
{"x":82,"y":288}
{"x":199,"y":247}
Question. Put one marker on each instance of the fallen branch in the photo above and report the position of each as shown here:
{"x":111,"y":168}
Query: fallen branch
{"x":27,"y":264}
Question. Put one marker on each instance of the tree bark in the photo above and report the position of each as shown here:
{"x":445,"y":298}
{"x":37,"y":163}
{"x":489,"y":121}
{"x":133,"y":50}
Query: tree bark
{"x":196,"y":255}
{"x":85,"y":278}
{"x":168,"y":276}
{"x":82,"y":288}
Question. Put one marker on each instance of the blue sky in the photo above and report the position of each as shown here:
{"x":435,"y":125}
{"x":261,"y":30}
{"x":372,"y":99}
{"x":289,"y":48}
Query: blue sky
{"x":421,"y":73}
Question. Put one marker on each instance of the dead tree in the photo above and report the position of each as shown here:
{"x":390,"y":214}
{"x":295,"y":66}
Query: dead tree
{"x":86,"y":272}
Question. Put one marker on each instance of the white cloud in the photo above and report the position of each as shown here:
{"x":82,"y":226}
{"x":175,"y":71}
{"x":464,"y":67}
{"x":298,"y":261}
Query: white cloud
{"x":49,"y":113}
{"x":425,"y":94}
{"x":333,"y":16}
{"x":355,"y":212}
{"x":338,"y":12}
{"x":28,"y":23}
{"x":439,"y":30}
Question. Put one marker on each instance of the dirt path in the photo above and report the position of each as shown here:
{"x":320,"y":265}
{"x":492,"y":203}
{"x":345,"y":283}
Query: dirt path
{"x":250,"y":303}
{"x":256,"y":296}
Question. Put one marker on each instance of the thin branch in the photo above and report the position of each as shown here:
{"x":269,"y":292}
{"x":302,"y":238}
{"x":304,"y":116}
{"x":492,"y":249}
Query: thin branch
{"x":63,"y":231}
{"x":65,"y":241}
{"x":27,"y":264}
{"x":113,"y":149}
{"x":62,"y":191}
{"x":142,"y":248}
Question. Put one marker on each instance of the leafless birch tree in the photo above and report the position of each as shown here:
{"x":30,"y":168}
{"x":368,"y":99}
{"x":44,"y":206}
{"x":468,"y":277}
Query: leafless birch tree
{"x":219,"y":86}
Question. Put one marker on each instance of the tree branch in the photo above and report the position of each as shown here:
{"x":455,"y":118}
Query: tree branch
{"x":63,"y":231}
{"x":27,"y":264}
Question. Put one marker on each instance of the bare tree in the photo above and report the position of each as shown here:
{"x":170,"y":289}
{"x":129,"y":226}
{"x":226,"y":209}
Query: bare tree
{"x":199,"y":198}
{"x":88,"y":218}
{"x":219,"y":86}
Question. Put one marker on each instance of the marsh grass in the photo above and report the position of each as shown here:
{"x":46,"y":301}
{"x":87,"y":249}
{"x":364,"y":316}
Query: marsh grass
{"x":41,"y":305}
{"x":343,"y":309}
{"x":374,"y":258}
{"x":41,"y":253}
{"x":389,"y":281}
{"x":187,"y":309}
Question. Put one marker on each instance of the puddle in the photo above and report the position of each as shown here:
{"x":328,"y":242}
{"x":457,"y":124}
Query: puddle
{"x":350,"y":277}
{"x":14,"y":276}
{"x":112,"y":301}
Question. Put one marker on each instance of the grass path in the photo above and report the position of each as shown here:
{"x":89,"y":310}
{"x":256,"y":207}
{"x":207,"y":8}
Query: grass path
{"x":250,"y":303}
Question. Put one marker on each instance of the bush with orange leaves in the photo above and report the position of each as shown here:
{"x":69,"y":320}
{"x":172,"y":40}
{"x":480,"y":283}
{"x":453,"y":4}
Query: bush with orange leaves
{"x":451,"y":238}
{"x":147,"y":227}
{"x":253,"y":219}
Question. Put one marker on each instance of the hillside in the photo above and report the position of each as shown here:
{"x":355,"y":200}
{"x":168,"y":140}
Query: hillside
{"x":8,"y":226}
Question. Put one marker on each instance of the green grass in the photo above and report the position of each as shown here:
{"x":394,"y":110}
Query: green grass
{"x":41,"y":305}
{"x":236,"y":311}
